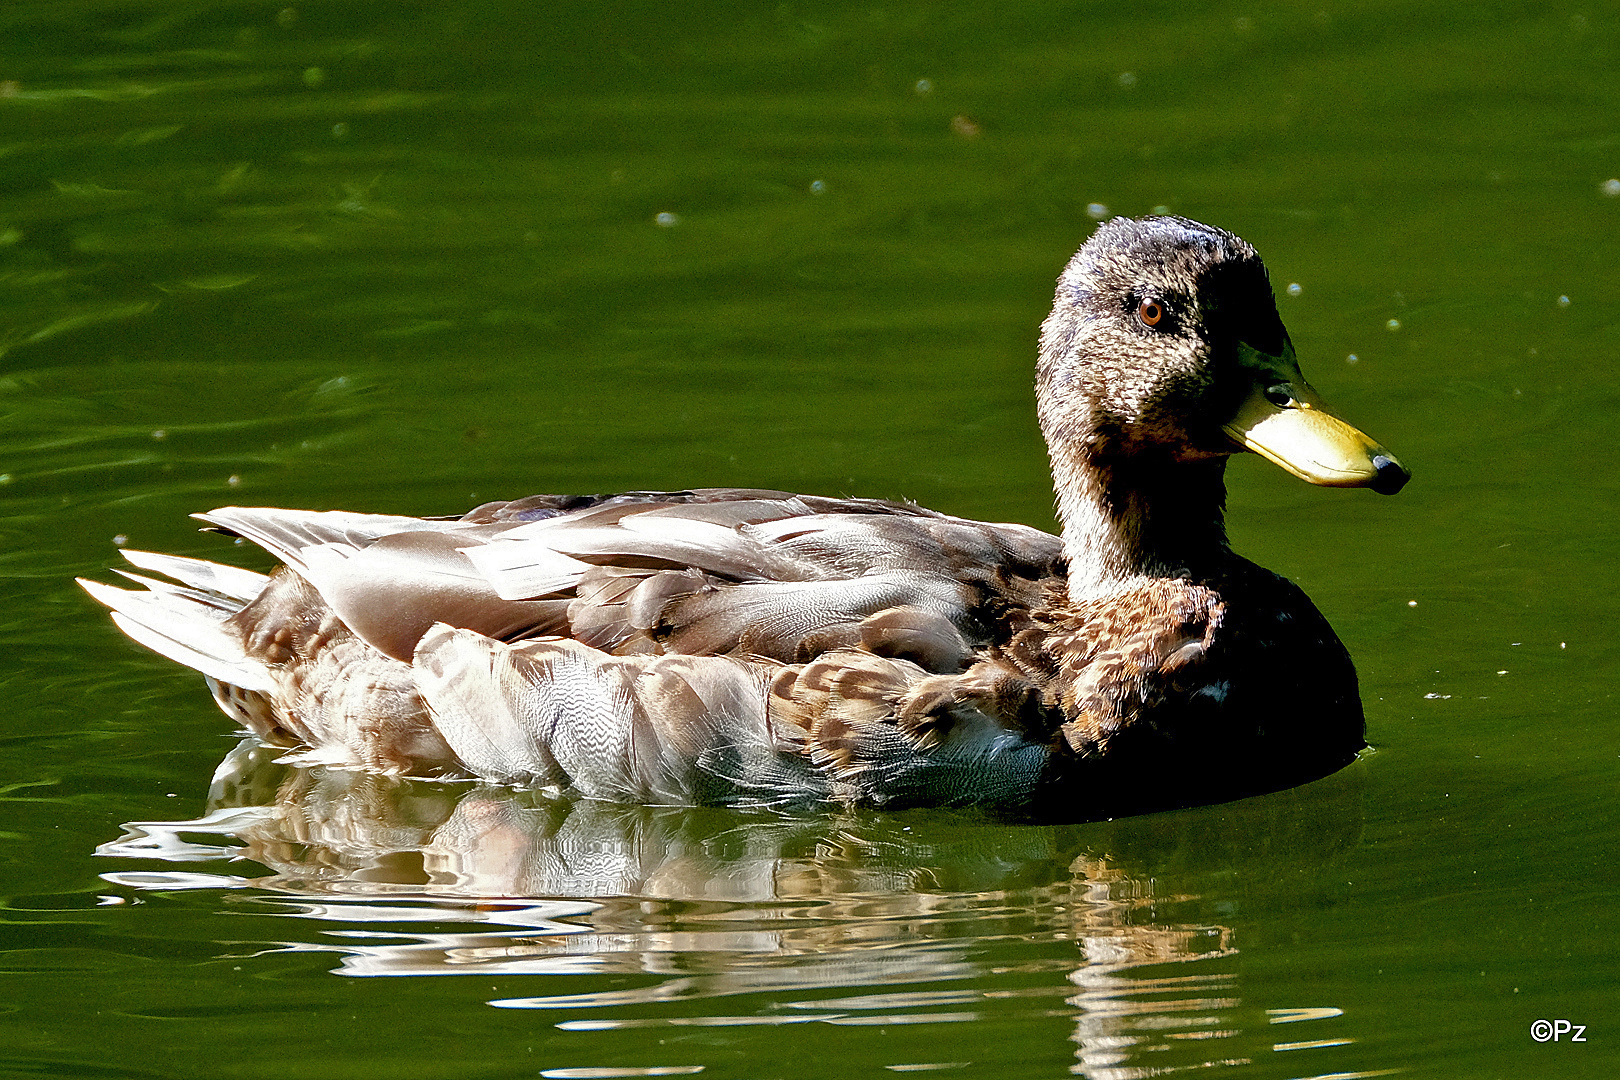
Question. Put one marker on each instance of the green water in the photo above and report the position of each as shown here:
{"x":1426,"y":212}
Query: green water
{"x":407,"y":258}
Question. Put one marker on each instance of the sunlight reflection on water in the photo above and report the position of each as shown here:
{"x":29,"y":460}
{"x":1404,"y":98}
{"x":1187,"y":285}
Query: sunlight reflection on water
{"x":412,"y":879}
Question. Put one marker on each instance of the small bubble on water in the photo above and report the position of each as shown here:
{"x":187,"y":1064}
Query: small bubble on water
{"x":339,"y":130}
{"x":1127,"y":79}
{"x":5,"y":478}
{"x":1393,"y":324}
{"x":1096,"y":211}
{"x":1352,"y":359}
{"x":1411,"y":603}
{"x":924,"y":87}
{"x":817,"y":187}
{"x":666,"y":220}
{"x":120,"y":540}
{"x":233,"y":480}
{"x":1611,"y":188}
{"x":1159,"y":210}
{"x":1294,"y":288}
{"x":1563,"y":301}
{"x":160,"y":434}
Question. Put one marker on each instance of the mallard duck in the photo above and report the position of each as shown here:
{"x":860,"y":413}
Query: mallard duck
{"x":748,"y":646}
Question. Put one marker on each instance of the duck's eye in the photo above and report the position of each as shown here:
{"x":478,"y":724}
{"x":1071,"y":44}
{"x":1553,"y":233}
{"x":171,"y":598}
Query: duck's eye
{"x":1151,"y":312}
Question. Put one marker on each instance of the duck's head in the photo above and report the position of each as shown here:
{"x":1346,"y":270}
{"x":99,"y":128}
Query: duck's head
{"x":1164,"y":346}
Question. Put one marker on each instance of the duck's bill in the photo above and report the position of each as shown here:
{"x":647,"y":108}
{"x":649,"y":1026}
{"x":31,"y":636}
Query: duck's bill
{"x":1284,"y":421}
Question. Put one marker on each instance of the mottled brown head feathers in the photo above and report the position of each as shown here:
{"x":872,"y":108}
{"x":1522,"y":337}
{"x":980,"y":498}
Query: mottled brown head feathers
{"x":1126,"y":382}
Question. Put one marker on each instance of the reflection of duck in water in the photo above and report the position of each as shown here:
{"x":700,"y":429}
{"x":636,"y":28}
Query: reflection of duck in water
{"x":1115,"y":942}
{"x":733,"y":645}
{"x":339,"y":831}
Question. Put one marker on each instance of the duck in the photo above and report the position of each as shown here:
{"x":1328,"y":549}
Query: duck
{"x":748,"y":647}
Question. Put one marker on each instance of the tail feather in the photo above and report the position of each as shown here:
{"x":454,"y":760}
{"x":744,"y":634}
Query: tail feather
{"x":227,"y":581}
{"x":182,"y":592}
{"x":173,"y":621}
{"x":286,"y":533}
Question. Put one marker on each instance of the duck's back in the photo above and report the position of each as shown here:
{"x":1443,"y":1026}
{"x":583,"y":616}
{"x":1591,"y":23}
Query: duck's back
{"x":709,"y":572}
{"x":685,"y":646}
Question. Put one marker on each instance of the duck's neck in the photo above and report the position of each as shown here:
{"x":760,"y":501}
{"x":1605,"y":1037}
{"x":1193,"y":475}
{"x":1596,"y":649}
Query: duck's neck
{"x":1128,"y":518}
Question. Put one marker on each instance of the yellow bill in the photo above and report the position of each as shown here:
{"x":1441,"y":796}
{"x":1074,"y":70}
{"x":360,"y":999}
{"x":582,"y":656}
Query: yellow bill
{"x":1283,"y":420}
